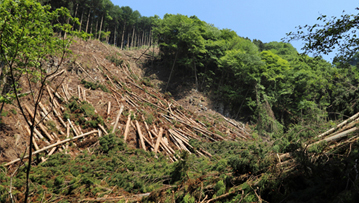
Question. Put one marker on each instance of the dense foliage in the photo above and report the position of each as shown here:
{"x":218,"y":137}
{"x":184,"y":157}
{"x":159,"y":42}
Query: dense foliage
{"x":286,"y":95}
{"x":271,"y":82}
{"x":121,"y":26}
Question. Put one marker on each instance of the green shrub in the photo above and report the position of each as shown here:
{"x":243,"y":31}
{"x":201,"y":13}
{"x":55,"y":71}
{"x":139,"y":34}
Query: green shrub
{"x":220,"y":188}
{"x":78,"y":112}
{"x":114,"y":59}
{"x":189,"y":199}
{"x":13,"y":111}
{"x":94,"y":86}
{"x":111,"y":142}
{"x":4,"y":113}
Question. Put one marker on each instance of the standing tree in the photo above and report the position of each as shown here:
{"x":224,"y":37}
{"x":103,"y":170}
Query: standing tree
{"x":31,"y":51}
{"x":333,"y":33}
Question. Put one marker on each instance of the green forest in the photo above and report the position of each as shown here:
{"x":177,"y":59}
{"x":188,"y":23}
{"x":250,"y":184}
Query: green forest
{"x":270,"y":82}
{"x":285,"y":96}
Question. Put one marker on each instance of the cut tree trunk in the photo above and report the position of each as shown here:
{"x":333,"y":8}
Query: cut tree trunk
{"x":127,"y":127}
{"x":117,"y":119}
{"x":141,"y":136}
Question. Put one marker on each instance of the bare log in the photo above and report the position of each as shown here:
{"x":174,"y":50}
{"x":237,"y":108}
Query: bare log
{"x":59,"y":117}
{"x":45,"y":111}
{"x":84,"y":94}
{"x":52,"y":97}
{"x":159,"y":139}
{"x":127,"y":127}
{"x":79,"y":91}
{"x":108,"y":108}
{"x":64,"y":90}
{"x":103,"y":129}
{"x":67,"y":135}
{"x":141,"y":136}
{"x":57,"y":74}
{"x":117,"y":118}
{"x":42,"y":127}
{"x":336,"y":136}
{"x":53,"y":145}
{"x":73,"y":128}
{"x":339,"y":125}
{"x":85,"y":71}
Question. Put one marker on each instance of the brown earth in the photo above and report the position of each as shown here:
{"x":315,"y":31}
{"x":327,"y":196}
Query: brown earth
{"x":190,"y":115}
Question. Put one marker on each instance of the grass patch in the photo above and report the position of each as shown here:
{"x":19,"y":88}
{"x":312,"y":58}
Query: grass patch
{"x":94,"y":86}
{"x":82,"y":113}
{"x":114,"y":59}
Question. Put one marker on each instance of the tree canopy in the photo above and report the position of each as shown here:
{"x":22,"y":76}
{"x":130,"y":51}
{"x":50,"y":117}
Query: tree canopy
{"x":331,"y":34}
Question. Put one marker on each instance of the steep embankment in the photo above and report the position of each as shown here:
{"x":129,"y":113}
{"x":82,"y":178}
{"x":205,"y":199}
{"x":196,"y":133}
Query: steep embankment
{"x":99,"y":89}
{"x":108,"y":81}
{"x":109,"y":134}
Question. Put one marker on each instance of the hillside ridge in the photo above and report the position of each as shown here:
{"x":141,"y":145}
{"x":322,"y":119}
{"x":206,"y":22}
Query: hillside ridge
{"x":88,"y":76}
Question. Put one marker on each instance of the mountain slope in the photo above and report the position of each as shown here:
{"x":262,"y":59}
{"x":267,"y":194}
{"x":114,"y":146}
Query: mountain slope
{"x":159,"y":150}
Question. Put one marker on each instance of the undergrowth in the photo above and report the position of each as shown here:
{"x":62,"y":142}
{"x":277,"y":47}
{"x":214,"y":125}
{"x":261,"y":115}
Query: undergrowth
{"x":237,"y":171}
{"x":82,"y":113}
{"x":94,"y":86}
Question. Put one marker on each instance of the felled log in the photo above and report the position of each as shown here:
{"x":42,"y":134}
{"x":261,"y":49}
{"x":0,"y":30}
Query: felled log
{"x":59,"y":117}
{"x":45,"y":111}
{"x":141,"y":136}
{"x":73,"y":128}
{"x":84,"y":94}
{"x":127,"y":127}
{"x":147,"y":128}
{"x":51,"y":146}
{"x":103,"y":129}
{"x":108,"y":108}
{"x":79,"y":92}
{"x":54,"y":102}
{"x":117,"y":118}
{"x":159,"y":138}
{"x":64,"y":90}
{"x":336,"y":136}
{"x":85,"y":71}
{"x":339,"y":125}
{"x":42,"y":127}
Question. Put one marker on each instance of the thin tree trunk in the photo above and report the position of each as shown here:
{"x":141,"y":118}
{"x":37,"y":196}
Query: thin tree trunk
{"x":99,"y":33}
{"x":173,"y":66}
{"x":151,"y":40}
{"x":82,"y":15}
{"x":128,"y":40}
{"x":143,"y":38}
{"x":96,"y":29}
{"x":67,"y":21}
{"x":91,"y":29}
{"x":107,"y":38}
{"x":73,"y":24}
{"x":195,"y":73}
{"x":133,"y":36}
{"x":114,"y":37}
{"x":123,"y":34}
{"x":88,"y":20}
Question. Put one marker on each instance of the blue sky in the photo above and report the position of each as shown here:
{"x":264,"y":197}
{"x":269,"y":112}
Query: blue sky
{"x":266,"y":20}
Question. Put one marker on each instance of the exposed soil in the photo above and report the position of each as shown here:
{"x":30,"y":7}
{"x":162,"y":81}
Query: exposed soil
{"x":135,"y":84}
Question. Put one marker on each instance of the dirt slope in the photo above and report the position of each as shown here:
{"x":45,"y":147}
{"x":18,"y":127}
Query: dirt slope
{"x":102,"y":75}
